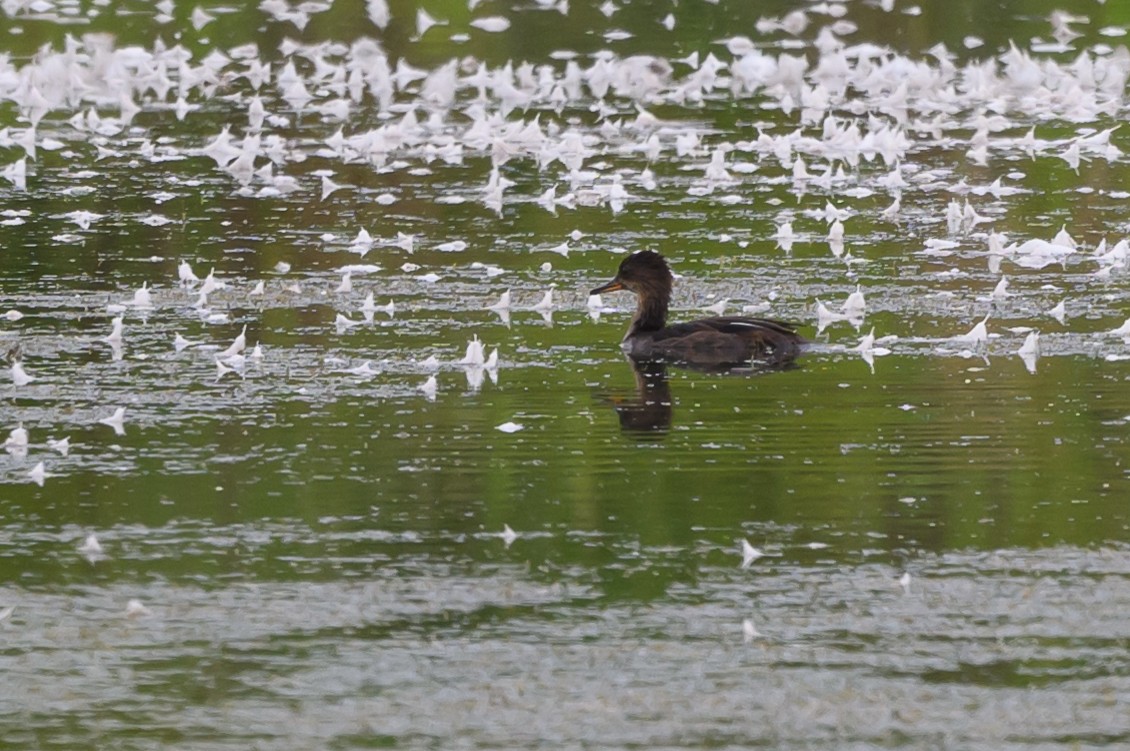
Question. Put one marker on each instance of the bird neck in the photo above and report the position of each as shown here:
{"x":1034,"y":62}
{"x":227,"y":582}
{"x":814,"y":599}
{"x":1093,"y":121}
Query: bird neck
{"x":651,"y":314}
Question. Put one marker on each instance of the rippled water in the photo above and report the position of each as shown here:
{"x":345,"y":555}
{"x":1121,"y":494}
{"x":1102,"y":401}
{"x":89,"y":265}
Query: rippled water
{"x":293,"y":555}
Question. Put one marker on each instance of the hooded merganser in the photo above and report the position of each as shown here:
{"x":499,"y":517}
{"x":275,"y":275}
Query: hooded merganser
{"x":708,"y":342}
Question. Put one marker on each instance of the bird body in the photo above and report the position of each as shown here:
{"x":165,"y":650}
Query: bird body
{"x":722,"y":341}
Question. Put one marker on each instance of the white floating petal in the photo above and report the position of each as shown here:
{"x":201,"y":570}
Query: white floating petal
{"x":493,"y":24}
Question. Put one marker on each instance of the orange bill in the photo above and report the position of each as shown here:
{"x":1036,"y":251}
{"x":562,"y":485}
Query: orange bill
{"x":612,"y":286}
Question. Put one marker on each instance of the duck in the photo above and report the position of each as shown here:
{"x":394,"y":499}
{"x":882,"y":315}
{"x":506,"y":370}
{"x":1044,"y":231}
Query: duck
{"x":723,"y":342}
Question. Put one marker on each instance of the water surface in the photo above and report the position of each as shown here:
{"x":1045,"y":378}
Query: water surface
{"x":294,"y":554}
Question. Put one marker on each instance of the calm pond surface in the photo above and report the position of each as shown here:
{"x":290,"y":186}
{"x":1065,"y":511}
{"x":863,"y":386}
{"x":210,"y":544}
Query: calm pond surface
{"x":321,"y":523}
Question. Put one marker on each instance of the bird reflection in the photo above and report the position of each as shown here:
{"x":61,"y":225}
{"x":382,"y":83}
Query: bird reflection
{"x":647,"y":411}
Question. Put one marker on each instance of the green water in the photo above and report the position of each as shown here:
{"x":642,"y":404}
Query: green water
{"x":318,"y":557}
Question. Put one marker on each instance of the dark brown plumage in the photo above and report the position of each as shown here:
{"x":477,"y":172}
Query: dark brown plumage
{"x":726,"y":341}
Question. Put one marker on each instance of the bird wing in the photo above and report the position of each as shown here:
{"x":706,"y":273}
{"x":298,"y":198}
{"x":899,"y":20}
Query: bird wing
{"x":736,"y":325}
{"x":727,"y":339}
